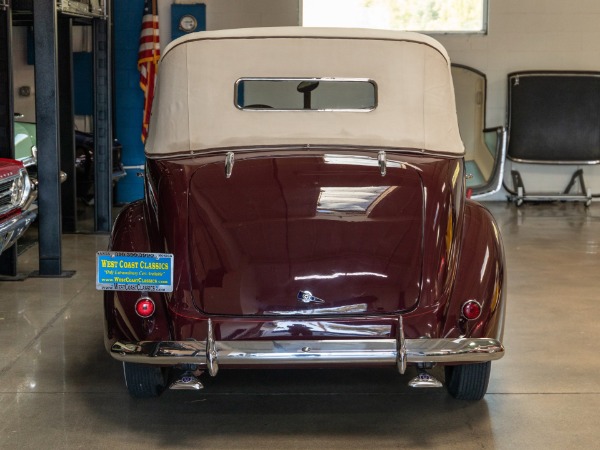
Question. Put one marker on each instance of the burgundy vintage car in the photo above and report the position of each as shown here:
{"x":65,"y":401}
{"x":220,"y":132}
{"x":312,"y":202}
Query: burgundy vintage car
{"x":305,"y":207}
{"x":17,"y":194}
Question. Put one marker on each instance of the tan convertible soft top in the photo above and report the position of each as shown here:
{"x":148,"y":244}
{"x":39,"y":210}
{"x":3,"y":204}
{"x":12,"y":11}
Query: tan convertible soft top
{"x":194,"y":105}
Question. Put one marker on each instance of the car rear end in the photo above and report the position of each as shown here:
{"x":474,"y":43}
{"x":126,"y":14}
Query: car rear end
{"x":308,"y":230}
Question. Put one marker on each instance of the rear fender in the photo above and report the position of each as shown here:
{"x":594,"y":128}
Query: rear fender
{"x":480,"y":276}
{"x":131,"y":234}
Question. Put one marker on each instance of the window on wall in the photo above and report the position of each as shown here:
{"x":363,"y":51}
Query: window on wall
{"x":430,"y":16}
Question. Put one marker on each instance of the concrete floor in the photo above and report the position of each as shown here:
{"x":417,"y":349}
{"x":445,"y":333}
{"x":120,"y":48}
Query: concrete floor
{"x":59,"y":389}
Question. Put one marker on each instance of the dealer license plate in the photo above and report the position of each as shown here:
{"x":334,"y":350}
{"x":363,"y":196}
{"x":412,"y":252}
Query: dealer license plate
{"x":143,"y":272}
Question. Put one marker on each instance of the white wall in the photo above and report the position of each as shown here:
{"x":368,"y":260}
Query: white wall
{"x":532,"y":35}
{"x":23,"y":75}
{"x":223,"y":14}
{"x":529,"y":34}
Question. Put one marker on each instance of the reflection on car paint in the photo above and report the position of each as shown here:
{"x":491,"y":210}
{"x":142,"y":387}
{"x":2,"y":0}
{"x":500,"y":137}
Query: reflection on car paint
{"x":324,"y":328}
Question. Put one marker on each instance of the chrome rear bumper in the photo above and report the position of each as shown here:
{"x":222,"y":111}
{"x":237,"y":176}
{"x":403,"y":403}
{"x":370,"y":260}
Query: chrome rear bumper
{"x":400,"y":351}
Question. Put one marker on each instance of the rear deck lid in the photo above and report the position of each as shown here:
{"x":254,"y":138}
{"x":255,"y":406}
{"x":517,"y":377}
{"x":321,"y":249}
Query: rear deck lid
{"x":306,"y":235}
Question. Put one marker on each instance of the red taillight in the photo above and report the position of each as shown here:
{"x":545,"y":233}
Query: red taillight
{"x":144,"y":307}
{"x":471,"y":310}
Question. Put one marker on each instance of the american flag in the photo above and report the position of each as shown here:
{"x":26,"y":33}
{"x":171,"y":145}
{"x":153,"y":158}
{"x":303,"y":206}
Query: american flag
{"x":148,"y":56}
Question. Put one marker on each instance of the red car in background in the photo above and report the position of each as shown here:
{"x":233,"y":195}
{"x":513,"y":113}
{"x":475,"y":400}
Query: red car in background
{"x":17,"y":194}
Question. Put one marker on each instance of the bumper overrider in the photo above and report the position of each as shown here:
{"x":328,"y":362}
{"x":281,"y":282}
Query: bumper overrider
{"x":400,"y":351}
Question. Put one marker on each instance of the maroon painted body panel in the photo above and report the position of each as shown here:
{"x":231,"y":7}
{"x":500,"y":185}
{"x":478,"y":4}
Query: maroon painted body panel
{"x":282,"y":225}
{"x":242,"y":245}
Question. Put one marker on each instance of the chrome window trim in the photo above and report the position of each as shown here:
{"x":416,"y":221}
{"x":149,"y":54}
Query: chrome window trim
{"x":300,"y":79}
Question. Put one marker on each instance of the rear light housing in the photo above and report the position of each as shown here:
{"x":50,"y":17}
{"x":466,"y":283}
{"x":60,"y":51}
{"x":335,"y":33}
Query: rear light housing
{"x":145,"y":307}
{"x":471,"y":310}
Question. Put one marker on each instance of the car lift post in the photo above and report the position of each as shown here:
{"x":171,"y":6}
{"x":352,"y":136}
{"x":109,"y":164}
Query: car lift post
{"x":46,"y":111}
{"x":102,"y":124}
{"x":8,"y":259}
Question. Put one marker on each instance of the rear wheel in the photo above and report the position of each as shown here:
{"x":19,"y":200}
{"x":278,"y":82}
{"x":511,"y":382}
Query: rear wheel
{"x":468,"y":381}
{"x":144,"y":381}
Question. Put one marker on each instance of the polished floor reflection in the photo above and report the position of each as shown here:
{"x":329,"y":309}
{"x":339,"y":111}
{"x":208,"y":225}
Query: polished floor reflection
{"x":59,"y":389}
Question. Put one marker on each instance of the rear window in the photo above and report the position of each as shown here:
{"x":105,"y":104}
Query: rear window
{"x":301,"y":94}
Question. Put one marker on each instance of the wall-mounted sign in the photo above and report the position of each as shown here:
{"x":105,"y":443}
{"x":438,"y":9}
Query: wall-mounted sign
{"x":187,"y":19}
{"x":123,"y":271}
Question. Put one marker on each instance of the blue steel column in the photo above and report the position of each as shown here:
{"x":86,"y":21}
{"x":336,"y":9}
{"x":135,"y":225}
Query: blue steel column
{"x":129,"y":98}
{"x":8,"y":259}
{"x":102,"y":126}
{"x":46,"y":111}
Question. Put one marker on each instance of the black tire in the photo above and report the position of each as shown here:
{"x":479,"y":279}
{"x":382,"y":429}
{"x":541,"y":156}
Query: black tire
{"x":144,"y":381}
{"x":468,"y":381}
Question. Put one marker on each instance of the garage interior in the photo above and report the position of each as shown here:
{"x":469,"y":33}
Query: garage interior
{"x":60,"y":389}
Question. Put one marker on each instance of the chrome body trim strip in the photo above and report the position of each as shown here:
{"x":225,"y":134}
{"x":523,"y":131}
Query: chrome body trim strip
{"x":236,"y":100}
{"x":300,"y":352}
{"x":552,"y":196}
{"x":310,"y":149}
{"x":13,"y":228}
{"x":495,"y":183}
{"x":555,"y":162}
{"x":29,"y":161}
